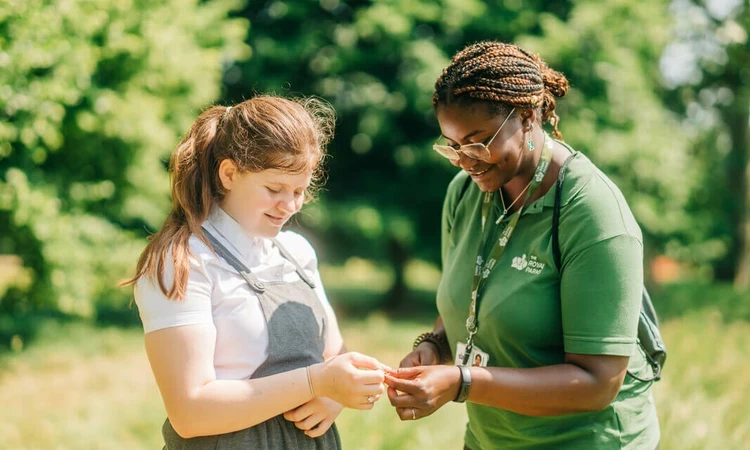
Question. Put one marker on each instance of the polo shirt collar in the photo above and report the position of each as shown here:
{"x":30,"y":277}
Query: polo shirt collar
{"x":252,"y":249}
{"x":569,"y":191}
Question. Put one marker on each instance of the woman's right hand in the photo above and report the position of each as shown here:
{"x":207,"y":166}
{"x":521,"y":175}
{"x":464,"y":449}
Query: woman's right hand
{"x":352,"y":379}
{"x":424,"y":355}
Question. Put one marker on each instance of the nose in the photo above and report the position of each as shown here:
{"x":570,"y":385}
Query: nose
{"x":289,"y":204}
{"x":465,"y":162}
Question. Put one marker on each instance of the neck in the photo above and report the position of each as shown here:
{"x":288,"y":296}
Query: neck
{"x":516,"y":185}
{"x":526,"y":170}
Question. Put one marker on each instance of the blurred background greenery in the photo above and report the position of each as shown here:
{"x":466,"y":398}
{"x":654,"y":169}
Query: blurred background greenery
{"x":94,"y":94}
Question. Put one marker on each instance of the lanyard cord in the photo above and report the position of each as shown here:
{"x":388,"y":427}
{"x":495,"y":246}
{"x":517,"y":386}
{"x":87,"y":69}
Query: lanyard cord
{"x":482,"y":268}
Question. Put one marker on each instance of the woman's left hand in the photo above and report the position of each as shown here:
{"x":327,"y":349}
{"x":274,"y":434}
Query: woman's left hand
{"x":316,"y":416}
{"x":423,"y":389}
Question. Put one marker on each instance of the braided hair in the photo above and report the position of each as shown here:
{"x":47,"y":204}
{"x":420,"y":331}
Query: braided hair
{"x":504,"y":76}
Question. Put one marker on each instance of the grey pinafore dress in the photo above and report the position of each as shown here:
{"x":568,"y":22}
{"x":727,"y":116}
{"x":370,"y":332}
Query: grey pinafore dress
{"x":296,"y":338}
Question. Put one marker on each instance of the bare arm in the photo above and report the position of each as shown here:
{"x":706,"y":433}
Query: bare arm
{"x":584,"y":383}
{"x":198,"y":404}
{"x":334,"y":340}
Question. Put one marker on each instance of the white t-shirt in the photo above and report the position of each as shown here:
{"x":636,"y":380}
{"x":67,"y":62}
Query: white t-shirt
{"x":217,"y":295}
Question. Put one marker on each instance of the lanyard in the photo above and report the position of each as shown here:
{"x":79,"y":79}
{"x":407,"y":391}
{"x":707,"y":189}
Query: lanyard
{"x":483,"y":268}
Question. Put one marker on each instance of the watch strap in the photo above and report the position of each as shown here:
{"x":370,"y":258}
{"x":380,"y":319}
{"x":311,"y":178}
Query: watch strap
{"x":463,"y":391}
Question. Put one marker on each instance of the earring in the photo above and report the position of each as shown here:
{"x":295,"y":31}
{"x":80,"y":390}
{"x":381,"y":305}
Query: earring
{"x":530,"y":141}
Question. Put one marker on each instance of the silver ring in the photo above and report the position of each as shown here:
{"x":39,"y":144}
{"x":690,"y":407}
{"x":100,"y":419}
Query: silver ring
{"x":413,"y":414}
{"x":370,"y":399}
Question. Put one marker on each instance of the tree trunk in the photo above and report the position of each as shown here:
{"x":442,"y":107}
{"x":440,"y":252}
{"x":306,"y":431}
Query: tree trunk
{"x":399,"y":256}
{"x":737,"y":118}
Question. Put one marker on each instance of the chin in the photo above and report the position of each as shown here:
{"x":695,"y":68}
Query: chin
{"x":488,"y":186}
{"x":265,"y":231}
{"x":269,"y":233}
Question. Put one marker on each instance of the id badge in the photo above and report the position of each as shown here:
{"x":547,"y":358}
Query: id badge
{"x":476,"y":358}
{"x":460,"y":350}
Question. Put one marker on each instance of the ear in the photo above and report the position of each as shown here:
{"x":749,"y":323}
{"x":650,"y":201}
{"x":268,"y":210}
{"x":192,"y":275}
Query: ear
{"x":227,"y":174}
{"x":528,"y":117}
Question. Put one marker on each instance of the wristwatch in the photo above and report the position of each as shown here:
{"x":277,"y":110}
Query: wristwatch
{"x":463,"y":391}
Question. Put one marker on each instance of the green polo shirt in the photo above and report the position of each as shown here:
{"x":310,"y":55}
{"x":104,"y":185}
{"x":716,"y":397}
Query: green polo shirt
{"x":530,"y":315}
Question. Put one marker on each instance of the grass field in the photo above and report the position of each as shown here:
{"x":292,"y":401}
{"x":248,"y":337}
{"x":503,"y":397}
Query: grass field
{"x":80,"y":386}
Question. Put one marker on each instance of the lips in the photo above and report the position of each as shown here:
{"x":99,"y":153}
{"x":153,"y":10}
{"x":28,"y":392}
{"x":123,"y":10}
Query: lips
{"x":277,"y":221}
{"x":477,"y":174}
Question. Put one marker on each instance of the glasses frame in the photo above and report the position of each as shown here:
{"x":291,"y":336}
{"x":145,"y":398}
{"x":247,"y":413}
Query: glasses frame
{"x":473,"y":150}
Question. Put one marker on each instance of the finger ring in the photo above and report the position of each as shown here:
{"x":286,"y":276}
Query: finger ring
{"x":370,"y":398}
{"x":413,"y":414}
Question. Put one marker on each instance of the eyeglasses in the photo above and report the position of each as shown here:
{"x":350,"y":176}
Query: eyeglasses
{"x":475,"y":150}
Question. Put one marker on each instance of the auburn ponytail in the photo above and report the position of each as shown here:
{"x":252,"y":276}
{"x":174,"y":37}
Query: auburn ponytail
{"x":193,"y":194}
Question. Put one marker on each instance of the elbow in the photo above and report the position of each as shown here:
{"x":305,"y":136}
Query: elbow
{"x":183,"y":426}
{"x":185,"y":422}
{"x":184,"y":413}
{"x":599,"y":379}
{"x":603,"y":396}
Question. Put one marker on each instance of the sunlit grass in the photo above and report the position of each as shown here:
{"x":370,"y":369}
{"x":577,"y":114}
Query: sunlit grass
{"x":704,"y":395}
{"x":390,"y":341}
{"x":84,"y":387}
{"x":81,"y":386}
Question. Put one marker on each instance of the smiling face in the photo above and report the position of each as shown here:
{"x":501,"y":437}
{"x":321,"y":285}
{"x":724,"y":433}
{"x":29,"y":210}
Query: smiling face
{"x":462,"y":125}
{"x":262,"y":202}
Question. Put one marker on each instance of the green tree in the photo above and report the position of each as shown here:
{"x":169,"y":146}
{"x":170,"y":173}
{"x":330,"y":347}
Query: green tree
{"x":706,"y":65}
{"x":616,"y":113}
{"x":377,"y":62}
{"x":94,"y":94}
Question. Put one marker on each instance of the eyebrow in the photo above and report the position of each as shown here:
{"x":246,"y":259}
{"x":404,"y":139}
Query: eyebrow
{"x":283,"y":185}
{"x":473,"y":133}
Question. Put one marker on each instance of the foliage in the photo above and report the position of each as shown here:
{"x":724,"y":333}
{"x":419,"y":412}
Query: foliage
{"x":93,"y":97}
{"x":615,"y":113}
{"x":715,"y":299}
{"x":705,"y":66}
{"x":377,"y":63}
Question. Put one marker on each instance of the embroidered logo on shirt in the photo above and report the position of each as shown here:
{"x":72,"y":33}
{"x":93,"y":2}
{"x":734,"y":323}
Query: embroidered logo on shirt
{"x":531,"y":265}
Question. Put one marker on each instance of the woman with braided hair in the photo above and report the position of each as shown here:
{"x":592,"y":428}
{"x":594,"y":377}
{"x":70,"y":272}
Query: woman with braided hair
{"x":556,"y":342}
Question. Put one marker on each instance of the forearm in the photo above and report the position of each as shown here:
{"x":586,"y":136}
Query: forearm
{"x":223,"y":406}
{"x":542,"y":391}
{"x":334,"y":341}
